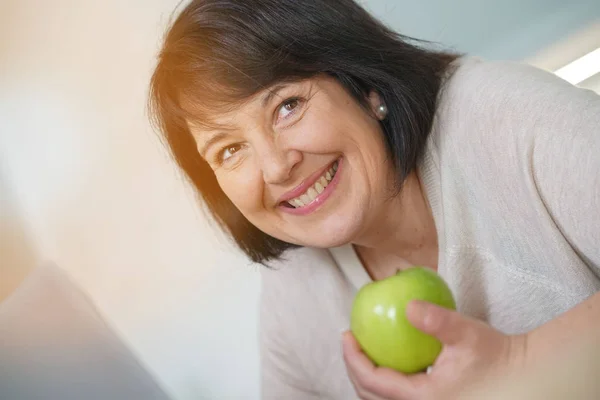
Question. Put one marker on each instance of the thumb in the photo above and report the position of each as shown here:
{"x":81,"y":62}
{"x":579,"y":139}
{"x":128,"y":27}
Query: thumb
{"x":448,"y":326}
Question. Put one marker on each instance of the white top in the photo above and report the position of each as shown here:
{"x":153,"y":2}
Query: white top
{"x":512,"y":173}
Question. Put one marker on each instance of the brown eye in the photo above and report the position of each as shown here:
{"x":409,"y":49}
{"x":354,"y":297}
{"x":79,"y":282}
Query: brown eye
{"x":288,"y":107}
{"x":228,"y":152}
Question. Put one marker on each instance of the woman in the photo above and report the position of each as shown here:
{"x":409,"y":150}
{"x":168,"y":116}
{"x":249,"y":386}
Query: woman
{"x":336,"y":151}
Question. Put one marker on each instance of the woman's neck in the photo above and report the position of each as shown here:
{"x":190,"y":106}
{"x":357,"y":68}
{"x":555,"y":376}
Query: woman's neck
{"x":401,"y":234}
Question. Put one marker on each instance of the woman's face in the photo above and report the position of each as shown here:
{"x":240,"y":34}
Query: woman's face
{"x":302,"y":161}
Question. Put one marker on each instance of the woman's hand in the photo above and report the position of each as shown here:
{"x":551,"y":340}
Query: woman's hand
{"x":471,"y":350}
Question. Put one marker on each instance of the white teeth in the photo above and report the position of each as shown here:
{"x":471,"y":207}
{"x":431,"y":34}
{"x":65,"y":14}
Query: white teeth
{"x":319,"y":187}
{"x":297,"y":203}
{"x":311,"y":194}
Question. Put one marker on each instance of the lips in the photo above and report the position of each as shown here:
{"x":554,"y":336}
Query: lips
{"x":306,"y":199}
{"x":314,"y":190}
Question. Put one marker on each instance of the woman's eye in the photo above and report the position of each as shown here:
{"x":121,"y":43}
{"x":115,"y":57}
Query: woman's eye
{"x":288,"y":107}
{"x":228,"y":152}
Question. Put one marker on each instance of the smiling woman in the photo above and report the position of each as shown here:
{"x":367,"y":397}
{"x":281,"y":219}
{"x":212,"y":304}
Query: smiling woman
{"x":339,"y":151}
{"x":258,"y":85}
{"x":311,"y":151}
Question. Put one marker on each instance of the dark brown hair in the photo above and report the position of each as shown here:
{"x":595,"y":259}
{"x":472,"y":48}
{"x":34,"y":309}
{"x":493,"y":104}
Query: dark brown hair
{"x":218,"y":53}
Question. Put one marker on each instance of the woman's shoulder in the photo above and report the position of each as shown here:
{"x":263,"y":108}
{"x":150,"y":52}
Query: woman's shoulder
{"x":483,"y":73}
{"x":485,"y":104}
{"x":305,"y":285}
{"x":305,"y":303}
{"x":483,"y":86}
{"x":300,"y":268}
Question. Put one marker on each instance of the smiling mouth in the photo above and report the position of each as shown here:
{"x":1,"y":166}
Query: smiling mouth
{"x":313,"y":191}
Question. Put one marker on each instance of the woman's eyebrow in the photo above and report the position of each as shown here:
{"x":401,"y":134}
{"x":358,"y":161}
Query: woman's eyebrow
{"x":272,"y":93}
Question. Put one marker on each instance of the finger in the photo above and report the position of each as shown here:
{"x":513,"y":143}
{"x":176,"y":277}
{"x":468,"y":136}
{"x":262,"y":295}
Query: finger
{"x":383,"y":382}
{"x":360,"y":392}
{"x":449,"y":326}
{"x":355,"y":360}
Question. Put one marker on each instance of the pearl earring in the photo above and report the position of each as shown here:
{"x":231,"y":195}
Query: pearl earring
{"x":382,"y":111}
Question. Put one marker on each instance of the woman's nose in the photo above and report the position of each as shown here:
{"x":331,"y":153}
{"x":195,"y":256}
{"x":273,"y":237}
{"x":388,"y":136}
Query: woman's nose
{"x":278,"y":164}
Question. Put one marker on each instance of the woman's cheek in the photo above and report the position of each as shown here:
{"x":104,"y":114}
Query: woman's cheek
{"x":243,"y":186}
{"x":318,"y":134}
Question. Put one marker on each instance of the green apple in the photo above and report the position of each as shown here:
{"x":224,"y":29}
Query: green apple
{"x":379,"y":324}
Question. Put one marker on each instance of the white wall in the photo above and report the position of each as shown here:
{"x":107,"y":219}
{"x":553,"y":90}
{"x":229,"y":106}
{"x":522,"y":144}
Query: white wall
{"x":18,"y":253}
{"x":103,"y":201}
{"x":94,"y":191}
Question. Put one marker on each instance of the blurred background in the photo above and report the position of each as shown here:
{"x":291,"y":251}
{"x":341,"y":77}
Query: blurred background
{"x":85,"y":182}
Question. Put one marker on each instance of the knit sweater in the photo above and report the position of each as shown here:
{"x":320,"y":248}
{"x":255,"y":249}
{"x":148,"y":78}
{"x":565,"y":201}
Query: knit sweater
{"x":512,"y":173}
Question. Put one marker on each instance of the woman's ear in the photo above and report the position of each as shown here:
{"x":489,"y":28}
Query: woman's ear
{"x":378,"y":107}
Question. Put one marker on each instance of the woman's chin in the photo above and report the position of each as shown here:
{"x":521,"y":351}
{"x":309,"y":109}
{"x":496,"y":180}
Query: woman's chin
{"x":334,"y":230}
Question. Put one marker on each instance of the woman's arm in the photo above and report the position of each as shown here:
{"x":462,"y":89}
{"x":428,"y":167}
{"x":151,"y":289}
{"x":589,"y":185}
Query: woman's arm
{"x":279,"y":376}
{"x":566,"y":165}
{"x":563,"y":360}
{"x":281,"y":373}
{"x":578,"y":325}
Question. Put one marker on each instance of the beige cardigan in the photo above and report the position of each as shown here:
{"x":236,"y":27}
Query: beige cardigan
{"x":512,"y":172}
